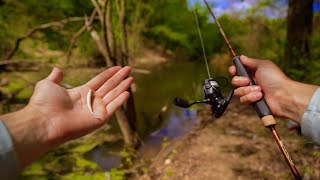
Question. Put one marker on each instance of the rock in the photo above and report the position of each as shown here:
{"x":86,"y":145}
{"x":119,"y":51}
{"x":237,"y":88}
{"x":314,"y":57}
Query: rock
{"x":167,"y":161}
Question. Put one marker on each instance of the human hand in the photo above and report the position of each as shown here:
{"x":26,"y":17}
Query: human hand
{"x":55,"y":115}
{"x":285,"y":97}
{"x":70,"y":106}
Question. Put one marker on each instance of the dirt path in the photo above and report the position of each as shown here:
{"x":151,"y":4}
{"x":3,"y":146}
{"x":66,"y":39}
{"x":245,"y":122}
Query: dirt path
{"x":236,"y":146}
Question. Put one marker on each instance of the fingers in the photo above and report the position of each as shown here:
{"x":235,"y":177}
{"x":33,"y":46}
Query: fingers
{"x":232,"y":70}
{"x":56,"y":75}
{"x":114,"y":81}
{"x":242,"y":91}
{"x":238,"y":81}
{"x":113,"y":94}
{"x":101,"y":78}
{"x":249,"y":63}
{"x":248,"y":94}
{"x":251,"y":97}
{"x":119,"y":101}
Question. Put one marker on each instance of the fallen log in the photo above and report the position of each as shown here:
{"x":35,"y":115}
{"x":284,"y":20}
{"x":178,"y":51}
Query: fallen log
{"x":18,"y":65}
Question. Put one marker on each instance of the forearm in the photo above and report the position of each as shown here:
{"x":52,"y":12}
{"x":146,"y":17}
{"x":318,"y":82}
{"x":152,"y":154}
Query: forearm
{"x":295,"y":99}
{"x":8,"y":158}
{"x":29,"y":134}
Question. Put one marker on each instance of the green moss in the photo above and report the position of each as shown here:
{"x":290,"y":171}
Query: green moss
{"x":24,"y":94}
{"x":116,"y":174}
{"x":165,"y":142}
{"x":84,"y":147}
{"x":34,"y":169}
{"x":169,"y":172}
{"x":68,"y":162}
{"x":83,"y":163}
{"x":77,"y":176}
{"x":14,"y":87}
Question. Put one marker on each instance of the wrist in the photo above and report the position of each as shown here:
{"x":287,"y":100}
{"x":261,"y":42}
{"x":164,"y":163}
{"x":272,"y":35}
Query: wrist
{"x":29,"y":132}
{"x":295,"y":101}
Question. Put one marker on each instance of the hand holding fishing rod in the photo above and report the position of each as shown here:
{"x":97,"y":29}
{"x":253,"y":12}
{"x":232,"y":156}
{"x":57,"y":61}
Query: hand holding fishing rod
{"x":217,"y":101}
{"x":261,"y":106}
{"x":286,"y":98}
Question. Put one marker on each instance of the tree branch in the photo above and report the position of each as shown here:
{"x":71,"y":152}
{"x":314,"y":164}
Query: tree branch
{"x":104,"y":30}
{"x":121,"y":5}
{"x":60,"y":24}
{"x":95,"y":36}
{"x":79,"y":33}
{"x":98,"y":8}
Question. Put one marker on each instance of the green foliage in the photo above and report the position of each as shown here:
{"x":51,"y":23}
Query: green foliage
{"x":174,"y":38}
{"x":308,"y":73}
{"x":24,"y":95}
{"x":173,"y":26}
{"x":46,"y":11}
{"x":170,"y":24}
{"x":128,"y":155}
{"x":74,"y":176}
{"x":116,"y":174}
{"x":165,"y":142}
{"x":17,"y":17}
{"x":68,"y":161}
{"x":14,"y":87}
{"x":169,"y":173}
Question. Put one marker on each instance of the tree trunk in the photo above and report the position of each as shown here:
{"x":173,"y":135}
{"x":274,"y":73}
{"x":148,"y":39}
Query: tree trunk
{"x":110,"y":33}
{"x":126,"y":115}
{"x":129,"y":107}
{"x":131,"y":110}
{"x":300,"y":17}
{"x":107,"y":45}
{"x":124,"y":32}
{"x":95,"y":36}
{"x":127,"y":132}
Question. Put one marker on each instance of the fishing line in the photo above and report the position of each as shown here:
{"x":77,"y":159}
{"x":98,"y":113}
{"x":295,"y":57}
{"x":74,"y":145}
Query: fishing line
{"x":201,"y":40}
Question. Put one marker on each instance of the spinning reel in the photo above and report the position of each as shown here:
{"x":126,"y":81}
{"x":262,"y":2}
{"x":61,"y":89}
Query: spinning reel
{"x":212,"y":96}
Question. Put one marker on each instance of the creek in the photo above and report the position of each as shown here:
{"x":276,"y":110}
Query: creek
{"x":158,"y":120}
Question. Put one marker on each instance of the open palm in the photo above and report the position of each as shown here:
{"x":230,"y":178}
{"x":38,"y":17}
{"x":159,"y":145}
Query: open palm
{"x":71,"y":115}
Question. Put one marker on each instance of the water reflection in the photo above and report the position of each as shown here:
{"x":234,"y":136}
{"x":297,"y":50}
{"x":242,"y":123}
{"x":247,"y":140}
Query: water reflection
{"x":179,"y":122}
{"x":107,"y":156}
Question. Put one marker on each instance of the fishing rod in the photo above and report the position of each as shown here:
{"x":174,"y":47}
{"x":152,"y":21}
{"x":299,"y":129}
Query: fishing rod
{"x":219,"y":104}
{"x":261,"y":106}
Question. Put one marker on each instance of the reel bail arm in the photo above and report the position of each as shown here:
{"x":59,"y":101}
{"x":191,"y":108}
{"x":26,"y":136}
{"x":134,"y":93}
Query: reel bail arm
{"x":212,"y":96}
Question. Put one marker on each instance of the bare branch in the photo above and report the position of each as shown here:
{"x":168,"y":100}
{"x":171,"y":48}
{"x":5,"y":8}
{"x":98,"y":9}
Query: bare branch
{"x":74,"y":40}
{"x":18,"y":65}
{"x":104,"y":29}
{"x":111,"y":36}
{"x":79,"y":33}
{"x":60,"y":24}
{"x":95,"y":36}
{"x":98,"y":8}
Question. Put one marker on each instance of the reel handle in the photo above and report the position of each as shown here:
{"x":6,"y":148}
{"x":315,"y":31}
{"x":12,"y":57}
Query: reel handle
{"x":260,"y":106}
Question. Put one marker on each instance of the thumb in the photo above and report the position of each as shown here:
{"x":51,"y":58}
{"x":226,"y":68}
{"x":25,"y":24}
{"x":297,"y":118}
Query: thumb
{"x":56,"y":75}
{"x":250,"y":63}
